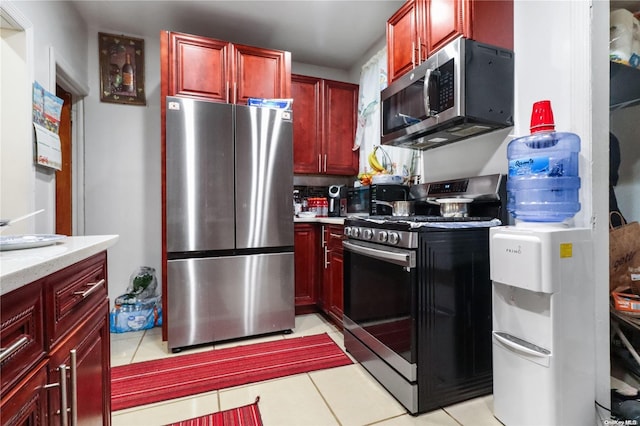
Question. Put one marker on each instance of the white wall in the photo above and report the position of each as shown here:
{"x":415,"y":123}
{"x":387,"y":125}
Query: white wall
{"x":56,"y":27}
{"x":122,"y":159}
{"x":17,"y":171}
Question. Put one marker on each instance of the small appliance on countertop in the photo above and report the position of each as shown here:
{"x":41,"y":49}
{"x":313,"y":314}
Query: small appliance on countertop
{"x":337,"y":200}
{"x":386,"y":193}
{"x":358,"y":201}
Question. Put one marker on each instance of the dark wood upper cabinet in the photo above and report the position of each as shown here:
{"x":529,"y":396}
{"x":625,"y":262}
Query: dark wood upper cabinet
{"x":324,"y":126}
{"x":220,"y":71}
{"x":340,"y":121}
{"x":198,"y":67}
{"x":307,"y":123}
{"x":260,"y":73}
{"x":421,"y":27}
{"x":405,"y":44}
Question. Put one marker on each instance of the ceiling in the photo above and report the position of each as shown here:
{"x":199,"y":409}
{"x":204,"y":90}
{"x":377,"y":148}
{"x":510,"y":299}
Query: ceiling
{"x":329,"y":33}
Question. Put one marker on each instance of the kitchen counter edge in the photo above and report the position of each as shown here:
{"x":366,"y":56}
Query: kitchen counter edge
{"x":21,"y":267}
{"x":321,"y":220}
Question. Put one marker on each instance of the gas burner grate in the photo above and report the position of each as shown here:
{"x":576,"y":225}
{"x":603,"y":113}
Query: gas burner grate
{"x":425,"y":219}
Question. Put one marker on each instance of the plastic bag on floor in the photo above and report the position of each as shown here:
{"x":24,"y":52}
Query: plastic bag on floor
{"x":142,"y":285}
{"x":140,"y":307}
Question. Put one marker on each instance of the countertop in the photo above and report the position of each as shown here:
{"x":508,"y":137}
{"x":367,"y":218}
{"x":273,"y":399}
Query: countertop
{"x":323,"y":219}
{"x":20,"y":267}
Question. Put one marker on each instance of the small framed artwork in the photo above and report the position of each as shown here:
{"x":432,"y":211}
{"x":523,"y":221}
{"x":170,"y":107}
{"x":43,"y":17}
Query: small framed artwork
{"x":121,"y":69}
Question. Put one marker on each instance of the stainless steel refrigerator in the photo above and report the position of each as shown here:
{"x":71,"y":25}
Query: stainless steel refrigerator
{"x":229,"y":221}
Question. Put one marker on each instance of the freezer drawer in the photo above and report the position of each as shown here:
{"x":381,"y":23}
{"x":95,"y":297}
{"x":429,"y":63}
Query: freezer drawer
{"x":220,"y":298}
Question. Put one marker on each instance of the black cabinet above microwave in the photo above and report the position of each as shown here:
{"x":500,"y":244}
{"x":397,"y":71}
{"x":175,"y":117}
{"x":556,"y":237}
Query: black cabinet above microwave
{"x":624,"y":86}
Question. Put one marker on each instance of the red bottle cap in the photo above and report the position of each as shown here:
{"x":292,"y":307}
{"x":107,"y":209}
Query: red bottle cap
{"x":542,"y":117}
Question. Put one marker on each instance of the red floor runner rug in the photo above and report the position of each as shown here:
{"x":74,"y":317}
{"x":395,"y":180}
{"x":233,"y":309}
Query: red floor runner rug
{"x":159,"y":380}
{"x":247,"y":415}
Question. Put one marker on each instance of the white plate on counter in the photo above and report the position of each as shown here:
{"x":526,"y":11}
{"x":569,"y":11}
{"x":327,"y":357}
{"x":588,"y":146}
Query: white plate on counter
{"x":17,"y":242}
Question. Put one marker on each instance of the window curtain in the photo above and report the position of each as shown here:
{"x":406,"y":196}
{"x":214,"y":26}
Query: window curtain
{"x":373,"y":79}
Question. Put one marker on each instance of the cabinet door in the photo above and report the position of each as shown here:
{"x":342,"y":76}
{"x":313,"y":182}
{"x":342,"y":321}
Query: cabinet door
{"x":26,"y":404}
{"x":489,"y":21}
{"x":340,"y":119}
{"x":198,"y":67}
{"x":307,"y":123}
{"x":403,"y":44}
{"x":486,"y":21}
{"x":306,"y":246}
{"x":260,"y":73}
{"x":21,"y":333}
{"x":90,"y":339}
{"x":334,"y":299}
{"x":444,"y":22}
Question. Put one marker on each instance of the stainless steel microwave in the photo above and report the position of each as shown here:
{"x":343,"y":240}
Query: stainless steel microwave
{"x":463,"y":90}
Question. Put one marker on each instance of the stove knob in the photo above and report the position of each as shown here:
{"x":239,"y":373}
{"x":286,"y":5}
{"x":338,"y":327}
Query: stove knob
{"x":367,"y":234}
{"x":347,"y":231}
{"x":355,"y":232}
{"x":394,"y":238}
{"x":382,"y":236}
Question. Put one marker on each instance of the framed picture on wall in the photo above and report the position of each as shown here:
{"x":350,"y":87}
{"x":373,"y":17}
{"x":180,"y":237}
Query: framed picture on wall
{"x":121,"y":69}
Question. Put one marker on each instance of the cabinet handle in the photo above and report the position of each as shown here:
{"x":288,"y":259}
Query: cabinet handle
{"x":319,"y":162}
{"x":226,"y":91}
{"x":74,"y":387}
{"x":62,"y":384}
{"x":235,"y":92}
{"x":325,"y":163}
{"x":326,"y":256}
{"x":94,"y":287}
{"x":419,"y":50}
{"x":13,"y":348}
{"x":413,"y":54}
{"x":336,"y":235}
{"x":64,"y":421}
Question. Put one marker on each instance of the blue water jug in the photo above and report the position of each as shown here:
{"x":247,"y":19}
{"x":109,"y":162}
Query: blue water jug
{"x":543,"y":183}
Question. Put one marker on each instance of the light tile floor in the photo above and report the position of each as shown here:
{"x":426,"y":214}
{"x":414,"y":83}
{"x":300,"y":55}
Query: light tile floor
{"x":346,"y":396}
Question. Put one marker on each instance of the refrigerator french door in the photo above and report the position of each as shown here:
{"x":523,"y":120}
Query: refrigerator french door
{"x":229,"y":221}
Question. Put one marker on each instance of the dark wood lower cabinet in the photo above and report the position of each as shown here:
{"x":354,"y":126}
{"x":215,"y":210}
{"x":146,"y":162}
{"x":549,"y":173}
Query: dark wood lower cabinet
{"x":318,"y":270}
{"x":43,"y":323}
{"x":26,"y":404}
{"x":307,"y":249}
{"x":332,"y":285}
{"x":90,"y":341}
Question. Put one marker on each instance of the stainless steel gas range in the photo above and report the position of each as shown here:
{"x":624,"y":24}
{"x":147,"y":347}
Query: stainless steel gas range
{"x":417,"y":299}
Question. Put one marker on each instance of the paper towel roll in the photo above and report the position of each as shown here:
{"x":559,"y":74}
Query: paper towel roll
{"x":621,"y":35}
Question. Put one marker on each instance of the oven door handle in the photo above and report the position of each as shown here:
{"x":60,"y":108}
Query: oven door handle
{"x":404,"y":258}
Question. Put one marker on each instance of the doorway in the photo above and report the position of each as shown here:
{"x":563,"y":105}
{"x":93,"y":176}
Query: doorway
{"x":64,"y":190}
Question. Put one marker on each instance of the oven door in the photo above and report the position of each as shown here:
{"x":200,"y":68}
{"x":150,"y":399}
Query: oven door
{"x":380,"y":302}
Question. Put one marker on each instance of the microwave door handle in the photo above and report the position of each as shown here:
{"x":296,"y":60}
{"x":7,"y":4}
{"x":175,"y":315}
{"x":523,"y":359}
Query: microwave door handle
{"x":425,"y":92}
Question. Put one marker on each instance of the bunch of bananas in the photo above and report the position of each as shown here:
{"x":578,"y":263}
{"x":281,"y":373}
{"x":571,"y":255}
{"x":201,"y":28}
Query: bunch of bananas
{"x":374,"y":163}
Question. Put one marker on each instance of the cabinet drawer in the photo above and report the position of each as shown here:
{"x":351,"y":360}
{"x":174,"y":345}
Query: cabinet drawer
{"x":72,"y":294}
{"x":21,"y":333}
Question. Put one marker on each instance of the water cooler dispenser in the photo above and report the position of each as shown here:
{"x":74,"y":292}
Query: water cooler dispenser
{"x":543,"y":325}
